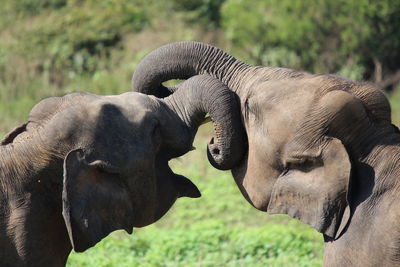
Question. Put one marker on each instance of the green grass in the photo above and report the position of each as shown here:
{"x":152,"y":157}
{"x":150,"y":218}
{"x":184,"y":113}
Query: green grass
{"x":206,"y":243}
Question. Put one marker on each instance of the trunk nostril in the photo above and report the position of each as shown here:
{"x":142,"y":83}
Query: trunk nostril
{"x":211,"y":141}
{"x":215,"y":151}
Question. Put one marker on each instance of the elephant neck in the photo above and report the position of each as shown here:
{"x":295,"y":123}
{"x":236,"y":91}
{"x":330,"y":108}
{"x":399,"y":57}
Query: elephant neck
{"x":18,"y":164}
{"x":21,"y":163}
{"x":32,"y":230}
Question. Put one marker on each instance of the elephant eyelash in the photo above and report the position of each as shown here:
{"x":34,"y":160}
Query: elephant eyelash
{"x":104,"y":167}
{"x":246,"y":108}
{"x":304,"y":164}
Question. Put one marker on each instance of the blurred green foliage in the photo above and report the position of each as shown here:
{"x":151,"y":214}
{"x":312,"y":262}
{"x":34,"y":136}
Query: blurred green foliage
{"x":78,"y":36}
{"x":13,"y":10}
{"x":320,"y":36}
{"x":206,"y":12}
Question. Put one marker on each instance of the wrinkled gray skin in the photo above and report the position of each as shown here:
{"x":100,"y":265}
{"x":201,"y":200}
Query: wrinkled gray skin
{"x":321,"y":148}
{"x":85,"y":165}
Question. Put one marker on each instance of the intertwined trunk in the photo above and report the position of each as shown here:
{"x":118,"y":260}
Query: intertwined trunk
{"x":183,"y":60}
{"x":201,"y":95}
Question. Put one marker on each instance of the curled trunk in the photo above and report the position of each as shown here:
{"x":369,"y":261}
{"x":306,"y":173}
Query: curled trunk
{"x":201,"y":95}
{"x":183,"y":60}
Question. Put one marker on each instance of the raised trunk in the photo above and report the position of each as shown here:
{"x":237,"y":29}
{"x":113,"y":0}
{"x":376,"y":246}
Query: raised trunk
{"x":183,"y":60}
{"x":201,"y":95}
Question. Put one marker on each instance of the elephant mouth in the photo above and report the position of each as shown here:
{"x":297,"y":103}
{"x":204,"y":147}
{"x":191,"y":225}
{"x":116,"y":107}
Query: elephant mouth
{"x":185,"y":187}
{"x":182,"y":186}
{"x":171,"y":186}
{"x":176,"y":185}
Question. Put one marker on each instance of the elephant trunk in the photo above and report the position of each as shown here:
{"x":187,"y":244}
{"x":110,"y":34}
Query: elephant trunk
{"x":183,"y":60}
{"x":204,"y":94}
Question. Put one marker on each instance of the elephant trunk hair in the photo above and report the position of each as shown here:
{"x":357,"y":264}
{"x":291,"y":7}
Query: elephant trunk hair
{"x":203,"y":94}
{"x":183,"y":60}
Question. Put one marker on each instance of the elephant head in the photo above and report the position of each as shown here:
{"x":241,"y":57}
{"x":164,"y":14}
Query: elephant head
{"x":305,"y":132}
{"x":113,"y":153}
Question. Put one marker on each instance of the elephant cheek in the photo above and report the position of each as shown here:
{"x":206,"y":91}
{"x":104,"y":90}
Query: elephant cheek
{"x":145,"y":201}
{"x":164,"y":208}
{"x":255,"y":181}
{"x":166,"y":197}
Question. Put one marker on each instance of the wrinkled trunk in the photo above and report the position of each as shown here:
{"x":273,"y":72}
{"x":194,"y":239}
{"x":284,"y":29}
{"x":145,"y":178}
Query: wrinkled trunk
{"x":201,"y":95}
{"x":183,"y":60}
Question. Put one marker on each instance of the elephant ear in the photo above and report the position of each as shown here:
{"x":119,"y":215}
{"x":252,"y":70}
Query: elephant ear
{"x":9,"y":138}
{"x":314,"y":187}
{"x":95,"y":201}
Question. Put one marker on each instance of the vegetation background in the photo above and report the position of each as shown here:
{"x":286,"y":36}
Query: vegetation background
{"x":54,"y":47}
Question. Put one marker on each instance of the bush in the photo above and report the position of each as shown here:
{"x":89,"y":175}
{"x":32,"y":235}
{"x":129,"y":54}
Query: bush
{"x":323,"y":36}
{"x":205,"y":12}
{"x":76,"y":37}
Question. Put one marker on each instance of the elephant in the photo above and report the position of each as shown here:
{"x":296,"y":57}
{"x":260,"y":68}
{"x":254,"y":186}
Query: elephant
{"x":320,"y":148}
{"x":84,"y":165}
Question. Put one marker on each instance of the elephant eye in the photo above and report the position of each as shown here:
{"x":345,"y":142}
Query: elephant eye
{"x":106,"y":167}
{"x":303,"y":163}
{"x":247,"y":108}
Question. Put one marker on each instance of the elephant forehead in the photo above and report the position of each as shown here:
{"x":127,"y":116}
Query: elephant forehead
{"x":289,"y":96}
{"x":135,"y":101}
{"x":129,"y":110}
{"x":108,"y":119}
{"x":280,"y":107}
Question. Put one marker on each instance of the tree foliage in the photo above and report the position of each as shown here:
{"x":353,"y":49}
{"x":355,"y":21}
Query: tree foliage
{"x":352,"y":37}
{"x":58,"y":39}
{"x":75,"y":36}
{"x":206,"y":12}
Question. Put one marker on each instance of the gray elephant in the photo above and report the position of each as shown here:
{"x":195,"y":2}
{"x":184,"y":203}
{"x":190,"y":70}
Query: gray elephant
{"x":85,"y":165}
{"x":321,"y":148}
